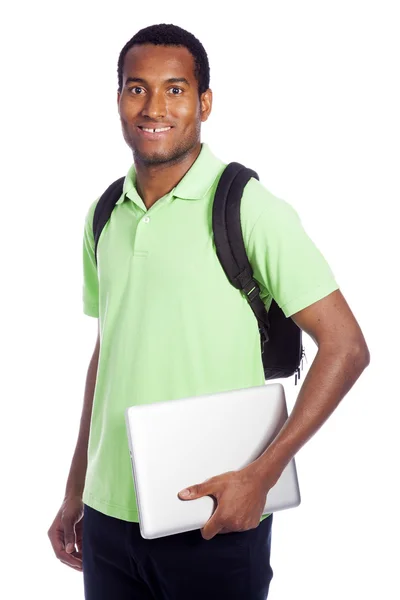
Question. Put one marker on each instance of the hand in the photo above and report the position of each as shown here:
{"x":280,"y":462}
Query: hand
{"x":241,"y":497}
{"x":66,"y":531}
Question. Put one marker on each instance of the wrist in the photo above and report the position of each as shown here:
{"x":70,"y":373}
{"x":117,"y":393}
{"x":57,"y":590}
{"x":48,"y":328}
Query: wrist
{"x":267,"y":468}
{"x":72,"y":494}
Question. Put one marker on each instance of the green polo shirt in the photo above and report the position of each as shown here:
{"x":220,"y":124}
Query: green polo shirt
{"x":171,"y":324}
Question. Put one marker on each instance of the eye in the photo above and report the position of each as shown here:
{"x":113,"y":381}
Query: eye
{"x":135,"y":88}
{"x":178,"y":90}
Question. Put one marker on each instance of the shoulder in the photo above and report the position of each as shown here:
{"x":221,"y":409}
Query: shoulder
{"x":261,"y":208}
{"x":90,"y":210}
{"x":89,"y":218}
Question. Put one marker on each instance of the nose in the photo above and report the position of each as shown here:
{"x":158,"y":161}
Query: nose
{"x":155,"y":106}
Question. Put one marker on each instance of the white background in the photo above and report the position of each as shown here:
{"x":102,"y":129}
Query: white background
{"x":307,"y":94}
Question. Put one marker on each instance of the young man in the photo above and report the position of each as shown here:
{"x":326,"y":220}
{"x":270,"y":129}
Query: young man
{"x":163,"y":336}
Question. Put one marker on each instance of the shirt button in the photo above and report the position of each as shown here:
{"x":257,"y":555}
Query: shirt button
{"x":146,"y":220}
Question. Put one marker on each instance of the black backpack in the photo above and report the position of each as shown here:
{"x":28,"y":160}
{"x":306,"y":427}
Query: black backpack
{"x":281,"y":339}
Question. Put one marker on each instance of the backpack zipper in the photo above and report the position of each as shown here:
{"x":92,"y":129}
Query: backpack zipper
{"x":297,"y":372}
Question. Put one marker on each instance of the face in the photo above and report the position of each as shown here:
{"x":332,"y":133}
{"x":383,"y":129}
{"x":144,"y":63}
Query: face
{"x":160,"y":91}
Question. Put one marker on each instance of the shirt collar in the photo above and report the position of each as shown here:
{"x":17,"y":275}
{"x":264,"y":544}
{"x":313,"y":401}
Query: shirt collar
{"x":194,"y":184}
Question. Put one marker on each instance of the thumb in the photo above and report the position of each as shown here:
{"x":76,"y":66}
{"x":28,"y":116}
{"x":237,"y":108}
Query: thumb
{"x":69,"y":537}
{"x":196,"y":491}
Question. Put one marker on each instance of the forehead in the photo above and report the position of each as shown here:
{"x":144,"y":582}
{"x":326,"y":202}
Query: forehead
{"x":152,"y":62}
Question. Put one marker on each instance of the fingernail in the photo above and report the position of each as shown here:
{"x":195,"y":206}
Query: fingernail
{"x":69,"y":548}
{"x":184,"y":493}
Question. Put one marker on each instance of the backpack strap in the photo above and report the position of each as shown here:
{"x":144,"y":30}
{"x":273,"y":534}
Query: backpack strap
{"x":228,"y":239}
{"x":104,"y":208}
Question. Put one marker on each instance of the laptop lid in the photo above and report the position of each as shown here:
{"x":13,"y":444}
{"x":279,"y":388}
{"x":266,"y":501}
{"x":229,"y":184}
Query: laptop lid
{"x":178,"y":443}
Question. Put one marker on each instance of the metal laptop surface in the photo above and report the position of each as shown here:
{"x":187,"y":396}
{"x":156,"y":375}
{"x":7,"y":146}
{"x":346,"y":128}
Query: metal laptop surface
{"x":179,"y":443}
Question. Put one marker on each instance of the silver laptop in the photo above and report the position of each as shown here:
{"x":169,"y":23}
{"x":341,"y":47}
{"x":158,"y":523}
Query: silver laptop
{"x":178,"y":443}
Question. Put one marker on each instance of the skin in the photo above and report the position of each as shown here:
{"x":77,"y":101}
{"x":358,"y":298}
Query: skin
{"x":342,"y":352}
{"x":341,"y":358}
{"x":161,"y":164}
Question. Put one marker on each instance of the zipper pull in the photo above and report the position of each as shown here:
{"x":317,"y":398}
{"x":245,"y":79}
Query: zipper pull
{"x":305,"y":356}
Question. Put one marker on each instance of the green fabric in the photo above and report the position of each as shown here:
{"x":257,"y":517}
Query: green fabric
{"x":171,"y":325}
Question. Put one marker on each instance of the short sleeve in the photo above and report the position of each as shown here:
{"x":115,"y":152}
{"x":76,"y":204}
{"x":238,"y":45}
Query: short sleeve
{"x":286,"y":263}
{"x":90,"y":277}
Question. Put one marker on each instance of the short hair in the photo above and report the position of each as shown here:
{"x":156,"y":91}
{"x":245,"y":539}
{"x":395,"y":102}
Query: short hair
{"x":170,"y":35}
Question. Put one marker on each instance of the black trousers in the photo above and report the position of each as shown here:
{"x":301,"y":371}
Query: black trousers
{"x":118,"y":564}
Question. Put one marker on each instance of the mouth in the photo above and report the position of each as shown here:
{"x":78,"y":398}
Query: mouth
{"x":154,"y":133}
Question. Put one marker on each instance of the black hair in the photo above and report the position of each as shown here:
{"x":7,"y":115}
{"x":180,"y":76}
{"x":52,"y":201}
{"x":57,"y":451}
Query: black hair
{"x":170,"y":35}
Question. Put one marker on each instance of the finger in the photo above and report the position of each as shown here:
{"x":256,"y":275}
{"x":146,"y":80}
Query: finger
{"x":73,"y":559}
{"x":212,"y":527}
{"x":207,"y":488}
{"x":76,"y":567}
{"x":69,"y":536}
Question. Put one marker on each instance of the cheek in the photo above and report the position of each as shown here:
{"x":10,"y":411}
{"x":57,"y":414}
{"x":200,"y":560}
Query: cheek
{"x":124,"y":125}
{"x":186,"y":112}
{"x":189,"y":117}
{"x":128,"y":109}
{"x":124,"y":112}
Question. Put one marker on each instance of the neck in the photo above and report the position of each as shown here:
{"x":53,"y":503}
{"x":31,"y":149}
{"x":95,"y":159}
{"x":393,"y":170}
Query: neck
{"x":154,"y":181}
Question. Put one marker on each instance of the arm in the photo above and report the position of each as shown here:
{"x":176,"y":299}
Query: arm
{"x":341,"y":358}
{"x":66,"y":531}
{"x":77,"y":474}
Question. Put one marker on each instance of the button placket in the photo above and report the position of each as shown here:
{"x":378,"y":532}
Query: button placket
{"x":140,"y":246}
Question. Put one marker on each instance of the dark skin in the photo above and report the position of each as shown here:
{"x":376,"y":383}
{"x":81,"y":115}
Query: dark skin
{"x":160,"y":165}
{"x":149,"y":98}
{"x":341,"y":358}
{"x":342,"y":351}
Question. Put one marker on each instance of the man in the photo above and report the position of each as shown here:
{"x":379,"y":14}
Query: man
{"x":172,"y":326}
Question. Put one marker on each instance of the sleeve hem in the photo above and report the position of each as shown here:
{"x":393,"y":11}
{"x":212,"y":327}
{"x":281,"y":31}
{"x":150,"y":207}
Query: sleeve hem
{"x":290,"y":308}
{"x":92,"y":310}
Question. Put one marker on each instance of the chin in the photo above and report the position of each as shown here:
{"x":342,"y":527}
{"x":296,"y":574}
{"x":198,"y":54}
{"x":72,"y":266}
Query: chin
{"x":152,"y":158}
{"x":158,"y":157}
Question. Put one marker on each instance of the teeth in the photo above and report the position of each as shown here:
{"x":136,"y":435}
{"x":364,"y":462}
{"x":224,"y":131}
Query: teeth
{"x":156,"y":130}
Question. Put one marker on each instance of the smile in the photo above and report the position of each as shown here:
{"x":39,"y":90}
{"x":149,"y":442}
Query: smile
{"x":154,"y":131}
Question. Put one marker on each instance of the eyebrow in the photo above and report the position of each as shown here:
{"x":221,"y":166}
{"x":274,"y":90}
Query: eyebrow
{"x":170,"y":80}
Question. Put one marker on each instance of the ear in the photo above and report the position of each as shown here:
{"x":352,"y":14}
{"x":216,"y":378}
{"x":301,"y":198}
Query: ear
{"x":118,"y":99}
{"x":206,"y":104}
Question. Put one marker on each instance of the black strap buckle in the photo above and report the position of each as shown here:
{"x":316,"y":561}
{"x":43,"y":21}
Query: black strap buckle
{"x":248,"y":285}
{"x":252,"y":291}
{"x":264,"y":335}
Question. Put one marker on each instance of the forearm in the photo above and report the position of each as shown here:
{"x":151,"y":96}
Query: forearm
{"x":77,"y":473}
{"x":332,"y":374}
